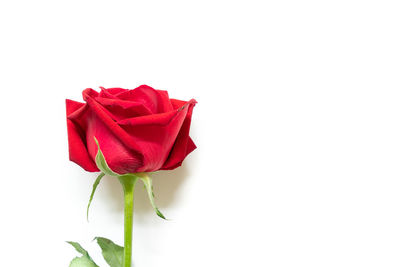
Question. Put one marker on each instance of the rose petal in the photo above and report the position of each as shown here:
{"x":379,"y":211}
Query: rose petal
{"x":190,"y":147}
{"x":112,"y":91}
{"x":176,"y":103}
{"x":122,"y":109}
{"x":183,"y":144}
{"x":119,"y":158}
{"x":120,"y":150}
{"x":156,"y":135}
{"x":157,"y":101}
{"x":76,"y":141}
{"x":89,"y":92}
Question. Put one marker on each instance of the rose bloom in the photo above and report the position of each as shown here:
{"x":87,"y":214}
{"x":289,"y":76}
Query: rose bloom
{"x":139,"y":130}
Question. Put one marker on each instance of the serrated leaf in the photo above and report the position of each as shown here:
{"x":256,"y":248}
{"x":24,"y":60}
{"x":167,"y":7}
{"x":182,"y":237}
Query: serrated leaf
{"x":148,"y":184}
{"x":78,"y":248}
{"x":96,"y":183}
{"x":112,"y":253}
{"x":85,"y":260}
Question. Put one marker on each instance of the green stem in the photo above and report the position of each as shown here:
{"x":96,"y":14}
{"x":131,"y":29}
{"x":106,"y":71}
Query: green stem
{"x":128,"y":184}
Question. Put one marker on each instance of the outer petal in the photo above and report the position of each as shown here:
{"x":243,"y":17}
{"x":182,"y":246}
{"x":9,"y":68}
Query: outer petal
{"x":76,"y":139}
{"x":120,"y":151}
{"x":156,"y":134}
{"x":119,"y":158}
{"x":183,"y":144}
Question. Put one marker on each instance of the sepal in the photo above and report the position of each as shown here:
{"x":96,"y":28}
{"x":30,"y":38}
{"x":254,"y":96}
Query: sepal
{"x":148,"y":184}
{"x":128,"y":177}
{"x":96,"y":183}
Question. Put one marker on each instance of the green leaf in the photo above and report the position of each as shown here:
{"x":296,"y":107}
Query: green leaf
{"x":112,"y":253}
{"x":85,"y":260}
{"x":148,"y":184}
{"x":96,"y":183}
{"x":78,"y":247}
{"x":101,"y":162}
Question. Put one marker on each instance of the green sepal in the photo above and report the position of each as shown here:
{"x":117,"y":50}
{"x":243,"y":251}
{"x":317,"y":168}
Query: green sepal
{"x":112,"y":253}
{"x":102,"y":163}
{"x":85,"y":260}
{"x":147,"y":181}
{"x":148,"y":184}
{"x":96,"y":183}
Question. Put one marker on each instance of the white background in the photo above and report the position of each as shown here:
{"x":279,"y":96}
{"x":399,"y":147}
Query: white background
{"x":297,"y":129}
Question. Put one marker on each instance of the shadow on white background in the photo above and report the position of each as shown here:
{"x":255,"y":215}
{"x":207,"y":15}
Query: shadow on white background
{"x":166,"y":185}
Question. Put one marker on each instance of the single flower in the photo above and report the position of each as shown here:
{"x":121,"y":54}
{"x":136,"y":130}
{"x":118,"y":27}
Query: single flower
{"x":139,"y":130}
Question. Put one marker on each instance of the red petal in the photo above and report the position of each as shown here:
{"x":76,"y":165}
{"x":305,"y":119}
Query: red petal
{"x":183,"y":144}
{"x":111,"y":91}
{"x":77,"y":149}
{"x":157,"y":101}
{"x":156,"y":135}
{"x":119,"y":149}
{"x":122,"y":109}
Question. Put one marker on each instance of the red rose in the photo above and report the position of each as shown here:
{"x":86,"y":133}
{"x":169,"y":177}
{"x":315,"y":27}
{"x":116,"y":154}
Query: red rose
{"x":139,"y":130}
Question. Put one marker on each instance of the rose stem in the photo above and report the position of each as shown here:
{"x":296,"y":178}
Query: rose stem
{"x":128,"y":184}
